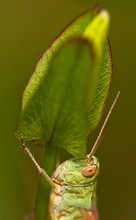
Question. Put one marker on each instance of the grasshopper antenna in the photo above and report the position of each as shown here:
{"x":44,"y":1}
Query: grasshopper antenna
{"x":95,"y":146}
{"x":41,"y":171}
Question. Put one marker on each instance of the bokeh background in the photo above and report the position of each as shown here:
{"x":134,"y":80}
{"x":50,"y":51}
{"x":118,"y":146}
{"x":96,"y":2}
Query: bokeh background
{"x":26,"y":29}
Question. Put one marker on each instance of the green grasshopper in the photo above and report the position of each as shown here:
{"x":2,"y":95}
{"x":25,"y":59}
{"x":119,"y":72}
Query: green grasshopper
{"x":73,"y":195}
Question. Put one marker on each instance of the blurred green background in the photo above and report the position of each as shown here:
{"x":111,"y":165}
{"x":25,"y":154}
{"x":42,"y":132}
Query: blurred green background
{"x":26,"y":29}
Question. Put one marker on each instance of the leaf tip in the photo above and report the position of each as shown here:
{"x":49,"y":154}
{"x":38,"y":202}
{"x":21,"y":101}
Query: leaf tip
{"x":96,"y":31}
{"x":105,"y":15}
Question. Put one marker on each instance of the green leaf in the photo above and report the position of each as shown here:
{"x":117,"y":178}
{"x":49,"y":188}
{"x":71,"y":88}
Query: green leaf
{"x":57,"y":113}
{"x":64,"y":98}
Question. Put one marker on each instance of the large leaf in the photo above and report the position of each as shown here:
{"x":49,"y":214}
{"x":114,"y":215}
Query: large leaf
{"x":65,"y":95}
{"x":57,"y":113}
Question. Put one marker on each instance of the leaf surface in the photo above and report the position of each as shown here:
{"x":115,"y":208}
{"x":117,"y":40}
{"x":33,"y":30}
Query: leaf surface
{"x":64,"y":98}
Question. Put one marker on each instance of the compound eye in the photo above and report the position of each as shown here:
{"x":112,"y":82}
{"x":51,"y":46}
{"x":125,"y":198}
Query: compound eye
{"x":88,"y":171}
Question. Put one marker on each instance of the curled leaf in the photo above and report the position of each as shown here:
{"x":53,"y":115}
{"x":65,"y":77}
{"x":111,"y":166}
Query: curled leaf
{"x":64,"y":98}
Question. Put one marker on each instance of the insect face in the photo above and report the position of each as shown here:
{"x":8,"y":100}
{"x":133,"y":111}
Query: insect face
{"x":76,"y":171}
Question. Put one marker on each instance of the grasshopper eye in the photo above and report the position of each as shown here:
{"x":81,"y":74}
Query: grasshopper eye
{"x":88,"y":171}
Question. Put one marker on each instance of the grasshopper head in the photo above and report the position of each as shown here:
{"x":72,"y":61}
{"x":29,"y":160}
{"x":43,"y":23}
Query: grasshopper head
{"x":77,"y":171}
